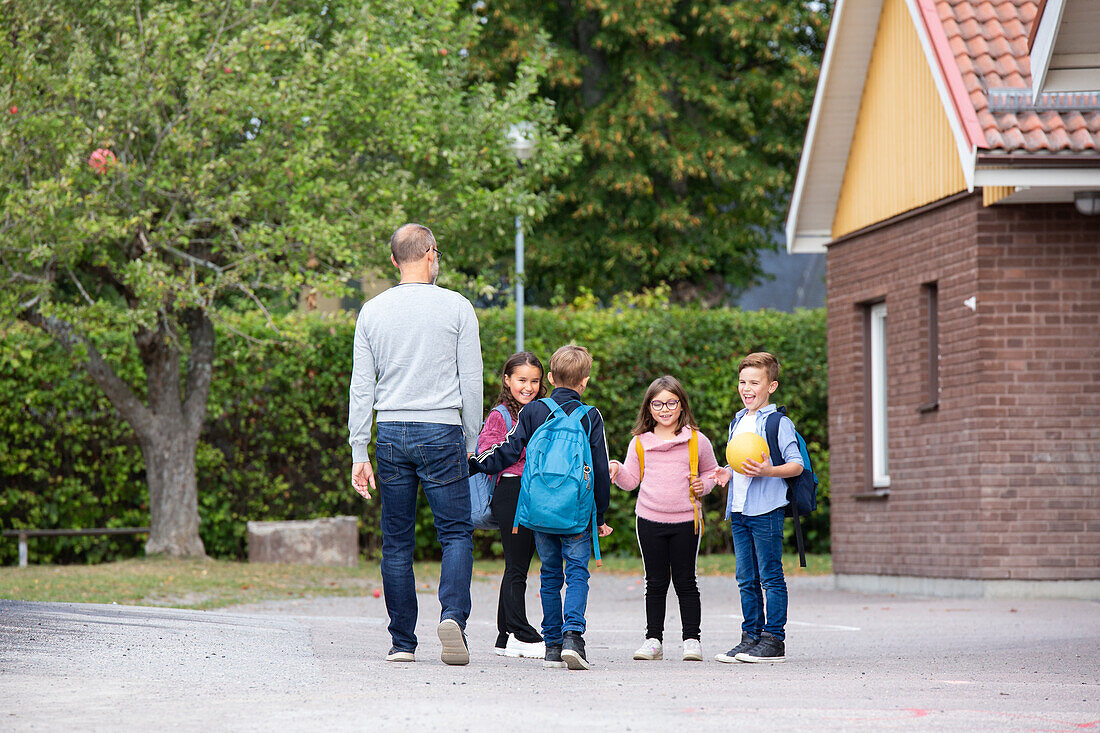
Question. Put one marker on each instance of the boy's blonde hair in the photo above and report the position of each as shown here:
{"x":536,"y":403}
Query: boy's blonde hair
{"x":762,"y":360}
{"x":570,"y":365}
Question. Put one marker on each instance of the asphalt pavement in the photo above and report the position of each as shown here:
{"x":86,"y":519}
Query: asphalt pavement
{"x":854,"y":663}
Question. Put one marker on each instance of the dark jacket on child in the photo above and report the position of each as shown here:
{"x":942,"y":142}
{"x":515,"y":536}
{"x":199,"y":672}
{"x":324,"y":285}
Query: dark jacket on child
{"x":534,"y":414}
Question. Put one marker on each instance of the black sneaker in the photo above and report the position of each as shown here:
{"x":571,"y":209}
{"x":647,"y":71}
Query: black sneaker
{"x":572,"y":651}
{"x":768,"y":650}
{"x":747,"y":642}
{"x":553,"y":657}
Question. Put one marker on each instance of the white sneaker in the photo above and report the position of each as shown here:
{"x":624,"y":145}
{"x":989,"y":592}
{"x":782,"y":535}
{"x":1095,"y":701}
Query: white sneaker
{"x":525,"y":649}
{"x":693,"y":650}
{"x":453,"y":640}
{"x":650,"y":649}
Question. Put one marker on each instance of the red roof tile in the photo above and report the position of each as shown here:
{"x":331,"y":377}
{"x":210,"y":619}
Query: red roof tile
{"x":989,"y":41}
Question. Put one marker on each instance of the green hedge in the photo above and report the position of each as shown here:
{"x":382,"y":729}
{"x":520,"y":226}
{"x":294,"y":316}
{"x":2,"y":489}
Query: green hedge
{"x":275,"y":443}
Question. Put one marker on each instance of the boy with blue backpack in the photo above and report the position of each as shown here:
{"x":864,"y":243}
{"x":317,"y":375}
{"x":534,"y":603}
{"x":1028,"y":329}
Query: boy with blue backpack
{"x":564,"y":492}
{"x":761,"y":494}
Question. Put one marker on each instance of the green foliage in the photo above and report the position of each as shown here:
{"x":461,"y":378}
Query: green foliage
{"x":166,"y":162}
{"x":256,"y":148}
{"x":691,"y":117}
{"x":274,"y":444}
{"x":631,"y":346}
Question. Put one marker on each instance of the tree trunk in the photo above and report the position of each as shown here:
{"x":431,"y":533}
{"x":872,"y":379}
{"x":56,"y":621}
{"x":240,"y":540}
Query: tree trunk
{"x":173,"y":494}
{"x":168,"y":428}
{"x":169,"y":439}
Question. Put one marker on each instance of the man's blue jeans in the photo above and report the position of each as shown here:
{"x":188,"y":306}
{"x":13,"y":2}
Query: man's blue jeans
{"x":434,"y":455}
{"x":758,"y":546}
{"x":564,"y":561}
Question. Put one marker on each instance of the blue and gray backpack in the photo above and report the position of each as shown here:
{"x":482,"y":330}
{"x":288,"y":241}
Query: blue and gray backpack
{"x":556,"y":494}
{"x":802,"y":489}
{"x":482,"y":486}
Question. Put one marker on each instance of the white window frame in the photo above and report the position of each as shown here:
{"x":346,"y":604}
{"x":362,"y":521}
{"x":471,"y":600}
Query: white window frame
{"x":880,"y":445}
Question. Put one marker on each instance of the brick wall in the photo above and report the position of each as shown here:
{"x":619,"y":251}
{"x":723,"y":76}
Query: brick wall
{"x":1039,"y":308}
{"x":976,"y":491}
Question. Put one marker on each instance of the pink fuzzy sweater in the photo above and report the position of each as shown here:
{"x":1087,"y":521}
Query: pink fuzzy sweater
{"x":663,"y":496}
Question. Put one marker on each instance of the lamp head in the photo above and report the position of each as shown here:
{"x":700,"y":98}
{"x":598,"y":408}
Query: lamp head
{"x":521,"y":139}
{"x":1087,"y":202}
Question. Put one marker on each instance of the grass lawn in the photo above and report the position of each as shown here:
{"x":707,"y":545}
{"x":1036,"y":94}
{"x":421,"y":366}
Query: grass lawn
{"x":219,"y":583}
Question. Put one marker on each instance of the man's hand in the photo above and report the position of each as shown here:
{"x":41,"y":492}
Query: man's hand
{"x":362,"y":478}
{"x":603,"y":530}
{"x":721,"y":476}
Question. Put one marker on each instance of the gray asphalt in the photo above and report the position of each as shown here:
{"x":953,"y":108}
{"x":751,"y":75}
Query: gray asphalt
{"x":855,"y":663}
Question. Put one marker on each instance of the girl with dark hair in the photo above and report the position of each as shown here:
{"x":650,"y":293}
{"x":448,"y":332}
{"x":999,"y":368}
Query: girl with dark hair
{"x":521,"y":384}
{"x":665,"y":449}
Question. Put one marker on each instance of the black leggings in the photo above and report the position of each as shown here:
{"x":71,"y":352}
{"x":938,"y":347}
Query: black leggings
{"x":519,"y":548}
{"x":669,"y":548}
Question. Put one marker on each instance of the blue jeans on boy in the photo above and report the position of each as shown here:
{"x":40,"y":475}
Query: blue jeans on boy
{"x":433,"y":455}
{"x":564,"y":561}
{"x":758,"y":547}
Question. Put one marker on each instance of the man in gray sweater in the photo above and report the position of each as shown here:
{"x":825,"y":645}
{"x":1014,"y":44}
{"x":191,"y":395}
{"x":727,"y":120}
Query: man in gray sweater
{"x":418,"y":363}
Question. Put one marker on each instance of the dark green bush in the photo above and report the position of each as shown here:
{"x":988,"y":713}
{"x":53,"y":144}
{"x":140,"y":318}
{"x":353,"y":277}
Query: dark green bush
{"x":275,"y":444}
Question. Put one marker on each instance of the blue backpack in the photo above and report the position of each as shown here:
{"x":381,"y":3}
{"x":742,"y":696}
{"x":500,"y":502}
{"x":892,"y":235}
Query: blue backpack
{"x":802,"y":489}
{"x":482,"y":486}
{"x":556,"y":495}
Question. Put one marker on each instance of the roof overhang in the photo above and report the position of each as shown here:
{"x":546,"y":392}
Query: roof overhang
{"x":832,"y":120}
{"x":1039,"y":181}
{"x":836,"y":108}
{"x":1065,"y":54}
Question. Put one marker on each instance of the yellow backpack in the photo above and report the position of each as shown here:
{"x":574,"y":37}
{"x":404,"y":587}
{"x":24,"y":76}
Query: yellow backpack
{"x":693,"y":461}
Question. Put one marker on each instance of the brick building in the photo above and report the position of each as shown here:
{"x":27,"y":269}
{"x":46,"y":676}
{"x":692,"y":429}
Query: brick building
{"x":957,"y":198}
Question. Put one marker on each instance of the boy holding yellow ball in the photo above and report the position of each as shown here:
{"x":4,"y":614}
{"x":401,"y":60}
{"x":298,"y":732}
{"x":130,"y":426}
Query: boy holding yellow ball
{"x":757,"y":496}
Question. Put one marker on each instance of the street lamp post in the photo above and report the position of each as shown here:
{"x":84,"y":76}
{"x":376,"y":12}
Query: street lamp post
{"x":519,"y":282}
{"x":521,"y":139}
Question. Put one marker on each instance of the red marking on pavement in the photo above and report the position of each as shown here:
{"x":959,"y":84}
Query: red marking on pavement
{"x":918,"y":712}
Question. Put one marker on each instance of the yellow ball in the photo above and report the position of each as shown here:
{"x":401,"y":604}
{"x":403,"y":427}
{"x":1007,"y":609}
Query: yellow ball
{"x":743,"y":446}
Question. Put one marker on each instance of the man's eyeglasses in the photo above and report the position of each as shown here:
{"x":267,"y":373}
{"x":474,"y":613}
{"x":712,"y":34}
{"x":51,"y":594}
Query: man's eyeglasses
{"x":657,"y":405}
{"x":438,"y":254}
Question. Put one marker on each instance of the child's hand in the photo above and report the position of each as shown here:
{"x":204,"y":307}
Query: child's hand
{"x":721,"y":476}
{"x":752,"y":468}
{"x":695,"y":485}
{"x":613,"y":469}
{"x":603,"y":530}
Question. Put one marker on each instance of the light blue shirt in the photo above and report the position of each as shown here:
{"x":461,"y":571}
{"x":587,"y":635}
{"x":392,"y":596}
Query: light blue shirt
{"x":767,"y":493}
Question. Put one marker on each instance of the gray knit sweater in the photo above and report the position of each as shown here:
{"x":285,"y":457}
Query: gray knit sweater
{"x":417,"y":359}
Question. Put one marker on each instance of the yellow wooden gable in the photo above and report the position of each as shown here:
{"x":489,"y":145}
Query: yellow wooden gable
{"x":903,"y":153}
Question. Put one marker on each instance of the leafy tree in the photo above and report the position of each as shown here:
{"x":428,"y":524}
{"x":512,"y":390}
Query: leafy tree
{"x":165,"y":159}
{"x":691,"y":115}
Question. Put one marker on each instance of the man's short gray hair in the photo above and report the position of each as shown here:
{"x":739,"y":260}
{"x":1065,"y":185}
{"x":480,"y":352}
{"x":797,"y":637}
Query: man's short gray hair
{"x":411,"y":242}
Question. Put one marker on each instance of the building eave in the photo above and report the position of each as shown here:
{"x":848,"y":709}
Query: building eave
{"x":836,"y":109}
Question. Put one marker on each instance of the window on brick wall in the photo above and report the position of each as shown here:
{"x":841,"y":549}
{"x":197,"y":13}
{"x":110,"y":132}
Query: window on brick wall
{"x":931,"y":297}
{"x":876,"y":397}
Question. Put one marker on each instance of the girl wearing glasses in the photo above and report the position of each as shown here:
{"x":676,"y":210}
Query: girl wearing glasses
{"x":658,"y":463}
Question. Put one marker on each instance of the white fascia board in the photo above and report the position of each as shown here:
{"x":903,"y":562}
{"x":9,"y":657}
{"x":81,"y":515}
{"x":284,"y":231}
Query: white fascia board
{"x":1043,"y":48}
{"x":967,"y":154}
{"x":1076,"y":178}
{"x":804,"y":160}
{"x":809,"y":243}
{"x":832,"y":121}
